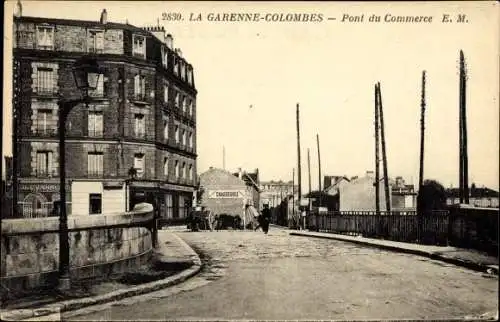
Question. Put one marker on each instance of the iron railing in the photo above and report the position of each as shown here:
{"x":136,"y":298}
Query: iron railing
{"x":469,"y":227}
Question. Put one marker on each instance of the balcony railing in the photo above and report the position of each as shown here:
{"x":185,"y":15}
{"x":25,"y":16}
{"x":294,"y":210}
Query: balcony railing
{"x":45,"y":173}
{"x":45,"y":132}
{"x":44,"y":91}
{"x":141,"y":97}
{"x":95,"y":174}
{"x":96,"y":133}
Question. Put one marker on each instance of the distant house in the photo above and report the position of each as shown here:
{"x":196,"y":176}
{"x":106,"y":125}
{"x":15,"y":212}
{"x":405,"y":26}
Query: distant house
{"x":358,"y":194}
{"x":478,"y":197}
{"x":332,"y":184}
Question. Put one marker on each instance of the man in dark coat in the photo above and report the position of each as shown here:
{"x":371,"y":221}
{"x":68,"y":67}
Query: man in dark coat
{"x":265,"y":218}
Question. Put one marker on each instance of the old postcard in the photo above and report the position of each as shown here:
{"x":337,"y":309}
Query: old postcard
{"x":168,"y":160}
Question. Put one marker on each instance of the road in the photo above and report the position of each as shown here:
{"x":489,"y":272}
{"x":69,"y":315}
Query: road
{"x":249,"y":275}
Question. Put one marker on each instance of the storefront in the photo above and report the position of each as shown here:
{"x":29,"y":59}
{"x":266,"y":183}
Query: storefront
{"x":172,"y":201}
{"x":36,"y":199}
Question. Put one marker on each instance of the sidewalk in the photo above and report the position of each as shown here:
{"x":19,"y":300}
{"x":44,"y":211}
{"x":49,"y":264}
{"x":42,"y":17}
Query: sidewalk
{"x":172,"y":253}
{"x":458,"y":256}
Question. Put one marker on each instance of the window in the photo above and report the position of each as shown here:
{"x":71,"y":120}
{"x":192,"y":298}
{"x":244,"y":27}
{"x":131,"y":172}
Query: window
{"x":140,"y":125}
{"x":95,"y":123}
{"x":139,"y":47}
{"x":95,"y":164}
{"x":165,"y":166}
{"x":177,"y":134}
{"x":165,"y":93}
{"x":184,"y":105}
{"x":95,"y":203}
{"x":176,"y":168}
{"x":190,"y":176}
{"x":43,"y":122}
{"x":99,"y":91}
{"x":44,"y":163}
{"x":183,"y":137}
{"x":177,"y":98}
{"x":45,"y":81}
{"x":183,"y":71}
{"x":165,"y":129}
{"x":164,"y":56}
{"x":176,"y":66}
{"x":190,"y":76}
{"x":183,"y":170}
{"x":45,"y":37}
{"x":139,"y":87}
{"x":95,"y":41}
{"x":190,"y":140}
{"x":191,"y":108}
{"x":139,"y":164}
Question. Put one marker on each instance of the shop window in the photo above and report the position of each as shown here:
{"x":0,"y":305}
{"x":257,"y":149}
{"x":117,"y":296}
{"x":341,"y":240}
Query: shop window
{"x":95,"y":203}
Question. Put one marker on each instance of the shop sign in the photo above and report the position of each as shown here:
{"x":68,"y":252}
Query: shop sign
{"x":41,"y":187}
{"x":226,"y":194}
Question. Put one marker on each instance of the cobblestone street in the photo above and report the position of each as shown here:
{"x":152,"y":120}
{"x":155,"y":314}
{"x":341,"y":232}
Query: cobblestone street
{"x":250,"y":275}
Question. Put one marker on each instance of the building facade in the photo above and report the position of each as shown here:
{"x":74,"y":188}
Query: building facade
{"x":141,"y":116}
{"x":358,"y":194}
{"x":274,"y":192}
{"x":224,"y":193}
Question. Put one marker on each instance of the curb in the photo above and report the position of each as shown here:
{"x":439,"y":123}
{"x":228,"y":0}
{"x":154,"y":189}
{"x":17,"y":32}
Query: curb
{"x":490,"y":269}
{"x":71,"y":305}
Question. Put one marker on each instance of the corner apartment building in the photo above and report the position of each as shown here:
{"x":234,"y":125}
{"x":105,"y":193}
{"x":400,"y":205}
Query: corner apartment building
{"x":142,"y":115}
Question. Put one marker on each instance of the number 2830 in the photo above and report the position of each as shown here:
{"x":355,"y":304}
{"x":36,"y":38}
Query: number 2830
{"x":171,"y":16}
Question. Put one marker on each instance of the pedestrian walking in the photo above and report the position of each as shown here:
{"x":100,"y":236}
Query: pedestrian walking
{"x":266,"y":218}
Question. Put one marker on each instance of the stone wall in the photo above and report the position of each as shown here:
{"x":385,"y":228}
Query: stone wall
{"x":99,"y":245}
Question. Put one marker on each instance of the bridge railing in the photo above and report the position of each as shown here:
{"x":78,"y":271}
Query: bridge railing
{"x":462,"y":227}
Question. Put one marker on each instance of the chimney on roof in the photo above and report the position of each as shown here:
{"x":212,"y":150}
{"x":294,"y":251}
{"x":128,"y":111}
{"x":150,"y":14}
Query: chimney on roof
{"x":240,"y":173}
{"x":169,"y":41}
{"x":19,"y":9}
{"x":104,"y":17}
{"x":370,"y":173}
{"x":179,"y":52}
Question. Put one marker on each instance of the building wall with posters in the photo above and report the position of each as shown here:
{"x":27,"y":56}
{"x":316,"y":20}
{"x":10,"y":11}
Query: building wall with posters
{"x":223,"y":192}
{"x":142,"y":116}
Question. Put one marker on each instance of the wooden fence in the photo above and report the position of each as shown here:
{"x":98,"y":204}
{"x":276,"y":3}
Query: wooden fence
{"x":462,"y":227}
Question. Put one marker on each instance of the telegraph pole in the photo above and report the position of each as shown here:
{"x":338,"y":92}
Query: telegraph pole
{"x":293,"y":196}
{"x":464,"y":171}
{"x":384,"y":156}
{"x":223,"y":157}
{"x":319,"y":174}
{"x":422,"y":129}
{"x":299,"y":177}
{"x":309,"y":170}
{"x":377,"y":157}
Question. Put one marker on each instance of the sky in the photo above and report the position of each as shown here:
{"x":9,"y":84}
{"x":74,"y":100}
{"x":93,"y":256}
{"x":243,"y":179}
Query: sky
{"x":329,"y":68}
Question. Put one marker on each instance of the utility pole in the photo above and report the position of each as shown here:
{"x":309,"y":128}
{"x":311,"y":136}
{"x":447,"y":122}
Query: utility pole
{"x":319,"y":174}
{"x":293,"y":196}
{"x":421,"y":170}
{"x":422,"y":129}
{"x":299,"y":177}
{"x":377,"y":157}
{"x":223,"y":157}
{"x":464,"y":171}
{"x":309,"y":170}
{"x":384,"y":156}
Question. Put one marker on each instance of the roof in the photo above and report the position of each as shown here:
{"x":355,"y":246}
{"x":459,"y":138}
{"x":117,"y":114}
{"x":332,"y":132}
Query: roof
{"x":85,"y":23}
{"x":474,"y":193}
{"x":250,"y":179}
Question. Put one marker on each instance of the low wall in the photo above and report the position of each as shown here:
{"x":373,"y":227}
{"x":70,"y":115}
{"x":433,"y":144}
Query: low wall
{"x":99,"y":245}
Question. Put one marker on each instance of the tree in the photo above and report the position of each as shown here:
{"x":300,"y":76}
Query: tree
{"x":432,"y":196}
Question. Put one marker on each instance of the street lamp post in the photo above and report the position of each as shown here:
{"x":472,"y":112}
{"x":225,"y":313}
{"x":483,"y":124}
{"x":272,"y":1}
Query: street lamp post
{"x":86,"y":73}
